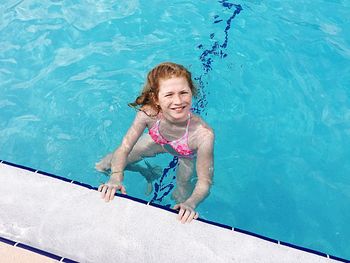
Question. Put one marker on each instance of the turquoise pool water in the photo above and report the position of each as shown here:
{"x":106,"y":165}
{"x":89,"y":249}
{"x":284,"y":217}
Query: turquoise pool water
{"x":274,"y":80}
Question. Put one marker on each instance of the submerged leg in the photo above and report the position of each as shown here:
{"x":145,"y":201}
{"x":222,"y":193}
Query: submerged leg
{"x":184,"y":180}
{"x":104,"y":164}
{"x":144,"y":147}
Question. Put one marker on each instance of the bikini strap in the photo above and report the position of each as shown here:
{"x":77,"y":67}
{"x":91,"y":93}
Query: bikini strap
{"x":159,"y":119}
{"x":188,"y":123}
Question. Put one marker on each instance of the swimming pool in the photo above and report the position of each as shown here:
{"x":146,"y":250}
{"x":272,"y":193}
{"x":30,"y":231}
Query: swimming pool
{"x":277,"y":96}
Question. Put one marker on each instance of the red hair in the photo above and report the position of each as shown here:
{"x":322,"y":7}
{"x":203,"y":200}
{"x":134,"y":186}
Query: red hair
{"x":163,"y":71}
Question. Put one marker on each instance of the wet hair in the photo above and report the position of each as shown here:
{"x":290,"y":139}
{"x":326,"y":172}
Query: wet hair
{"x":163,"y":71}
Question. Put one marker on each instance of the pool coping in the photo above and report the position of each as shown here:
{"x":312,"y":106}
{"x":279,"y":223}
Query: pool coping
{"x":216,"y":224}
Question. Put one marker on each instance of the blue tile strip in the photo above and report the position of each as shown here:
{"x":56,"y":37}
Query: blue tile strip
{"x":215,"y":223}
{"x":303,"y":249}
{"x":132,"y":198}
{"x":166,"y":208}
{"x":54,"y":176}
{"x":7,"y":241}
{"x":83,"y":185}
{"x":35,"y":250}
{"x":69,"y":260}
{"x":339,"y":259}
{"x":19,"y":166}
{"x":4,"y":240}
{"x":39,"y":251}
{"x":256,"y":235}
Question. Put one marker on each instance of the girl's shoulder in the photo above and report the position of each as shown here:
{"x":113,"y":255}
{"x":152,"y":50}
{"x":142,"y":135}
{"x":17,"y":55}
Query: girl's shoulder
{"x":199,"y":126}
{"x":200,"y":132}
{"x":147,"y":115}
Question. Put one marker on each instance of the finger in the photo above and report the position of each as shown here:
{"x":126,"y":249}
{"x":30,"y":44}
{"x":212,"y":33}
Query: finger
{"x":100,"y":187}
{"x":190,"y":217}
{"x":108,"y":193}
{"x":176,"y":207}
{"x":181,"y":213}
{"x":196,"y":216}
{"x":114,"y":189}
{"x":123,"y":189}
{"x":103,"y":191}
{"x":185,"y":216}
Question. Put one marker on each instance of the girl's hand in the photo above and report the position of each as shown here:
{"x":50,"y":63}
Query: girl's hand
{"x":109,"y":189}
{"x":186,"y":213}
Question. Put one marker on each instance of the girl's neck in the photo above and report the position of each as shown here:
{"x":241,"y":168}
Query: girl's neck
{"x":177,"y":123}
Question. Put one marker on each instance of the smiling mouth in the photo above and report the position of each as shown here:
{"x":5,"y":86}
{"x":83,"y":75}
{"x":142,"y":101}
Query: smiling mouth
{"x":178,"y":108}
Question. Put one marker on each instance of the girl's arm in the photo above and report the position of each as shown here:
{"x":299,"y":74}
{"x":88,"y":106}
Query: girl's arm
{"x":205,"y":169}
{"x":120,"y":155}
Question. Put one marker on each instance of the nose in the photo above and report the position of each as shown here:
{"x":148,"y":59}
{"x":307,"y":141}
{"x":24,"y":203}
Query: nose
{"x":177,"y":99}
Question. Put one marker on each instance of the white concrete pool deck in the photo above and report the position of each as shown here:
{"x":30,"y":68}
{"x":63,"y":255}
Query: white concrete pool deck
{"x":73,"y":222}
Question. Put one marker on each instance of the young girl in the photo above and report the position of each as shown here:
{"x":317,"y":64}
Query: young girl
{"x":165,"y":109}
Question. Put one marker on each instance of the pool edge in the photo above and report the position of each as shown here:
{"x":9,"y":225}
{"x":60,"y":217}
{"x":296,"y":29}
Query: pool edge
{"x":216,"y":224}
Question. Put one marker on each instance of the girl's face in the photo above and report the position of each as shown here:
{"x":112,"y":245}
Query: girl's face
{"x":175,"y":98}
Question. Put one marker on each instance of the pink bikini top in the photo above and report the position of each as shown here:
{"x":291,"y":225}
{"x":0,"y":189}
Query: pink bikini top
{"x":180,"y":145}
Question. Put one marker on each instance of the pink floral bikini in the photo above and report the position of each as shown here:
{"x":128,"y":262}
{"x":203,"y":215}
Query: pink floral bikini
{"x":180,"y":145}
